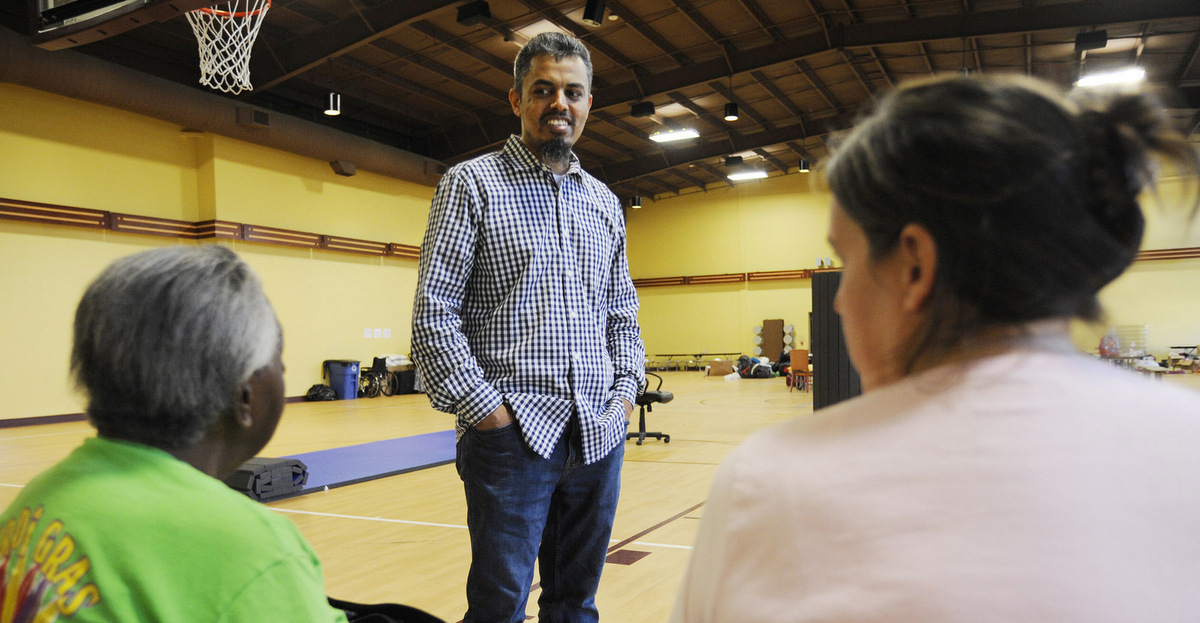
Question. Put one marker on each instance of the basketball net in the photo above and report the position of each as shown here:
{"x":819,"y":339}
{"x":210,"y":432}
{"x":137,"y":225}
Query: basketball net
{"x":226,"y":33}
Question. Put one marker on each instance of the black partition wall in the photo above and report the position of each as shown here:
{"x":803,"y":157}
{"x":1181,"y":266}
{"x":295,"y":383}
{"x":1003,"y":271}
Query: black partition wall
{"x":834,"y":378}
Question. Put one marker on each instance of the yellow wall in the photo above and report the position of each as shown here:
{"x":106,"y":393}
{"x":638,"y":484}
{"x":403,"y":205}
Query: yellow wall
{"x":61,"y":151}
{"x":780,"y":223}
{"x":777,"y":223}
{"x":1164,"y":295}
{"x":84,"y":155}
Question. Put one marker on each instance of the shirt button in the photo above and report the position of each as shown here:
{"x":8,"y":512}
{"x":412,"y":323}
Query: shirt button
{"x":575,"y":356}
{"x":572,"y":315}
{"x":570,"y":273}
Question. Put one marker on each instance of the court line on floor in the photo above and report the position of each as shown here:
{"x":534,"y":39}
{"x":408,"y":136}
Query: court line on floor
{"x":65,"y":432}
{"x":4,"y":484}
{"x":446,"y":525}
{"x":381,"y":519}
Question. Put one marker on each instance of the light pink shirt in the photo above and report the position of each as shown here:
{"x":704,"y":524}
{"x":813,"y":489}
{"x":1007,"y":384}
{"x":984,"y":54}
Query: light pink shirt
{"x":1030,"y":486}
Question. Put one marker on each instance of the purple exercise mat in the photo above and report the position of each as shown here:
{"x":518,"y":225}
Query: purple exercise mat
{"x":378,"y":459}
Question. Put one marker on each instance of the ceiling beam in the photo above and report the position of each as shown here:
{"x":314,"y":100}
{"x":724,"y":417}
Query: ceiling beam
{"x":558,"y":19}
{"x":802,"y":152}
{"x":763,"y":20}
{"x":858,"y":72}
{"x":644,"y":29}
{"x":1028,"y":54}
{"x":819,"y":85}
{"x":779,"y":96}
{"x":693,"y":15}
{"x":691,"y":181}
{"x":719,"y":125}
{"x":866,"y":34}
{"x":1189,"y":59}
{"x":275,"y":64}
{"x":775,"y":162}
{"x":927,"y":56}
{"x":661,"y":184}
{"x":462,"y":45}
{"x":713,"y":171}
{"x":421,"y":60}
{"x":621,"y":171}
{"x":418,"y":113}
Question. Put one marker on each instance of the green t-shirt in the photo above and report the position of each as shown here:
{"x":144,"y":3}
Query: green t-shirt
{"x":119,"y":531}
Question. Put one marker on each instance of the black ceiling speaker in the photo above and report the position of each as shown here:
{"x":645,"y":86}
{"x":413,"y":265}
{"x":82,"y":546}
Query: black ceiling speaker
{"x":593,"y":13}
{"x":641,"y":109}
{"x":473,"y":13}
{"x":1091,"y":40}
{"x":731,"y":161}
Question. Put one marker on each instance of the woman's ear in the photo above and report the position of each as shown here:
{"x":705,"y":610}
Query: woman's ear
{"x":917,"y":252}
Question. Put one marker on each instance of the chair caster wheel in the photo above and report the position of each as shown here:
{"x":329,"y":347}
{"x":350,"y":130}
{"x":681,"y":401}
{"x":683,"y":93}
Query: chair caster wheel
{"x":666,"y":439}
{"x":639,"y":442}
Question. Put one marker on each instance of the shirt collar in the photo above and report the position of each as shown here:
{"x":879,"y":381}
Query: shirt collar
{"x":520,"y":154}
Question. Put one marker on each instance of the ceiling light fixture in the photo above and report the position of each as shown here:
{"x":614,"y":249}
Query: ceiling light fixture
{"x":678,"y":134}
{"x":747,"y":173}
{"x":593,"y":13}
{"x":636,"y":202}
{"x":739,"y":170}
{"x":1128,"y":75}
{"x":803,"y":166}
{"x":333,"y":104}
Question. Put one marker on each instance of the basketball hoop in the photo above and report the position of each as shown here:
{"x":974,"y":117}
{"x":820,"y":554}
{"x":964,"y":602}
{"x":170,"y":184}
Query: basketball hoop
{"x":226,"y":33}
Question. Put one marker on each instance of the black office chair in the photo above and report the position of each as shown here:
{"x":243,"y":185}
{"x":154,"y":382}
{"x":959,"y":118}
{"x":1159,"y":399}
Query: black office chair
{"x":645,"y":401}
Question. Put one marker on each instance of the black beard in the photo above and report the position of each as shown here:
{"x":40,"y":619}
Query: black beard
{"x":556,"y":151}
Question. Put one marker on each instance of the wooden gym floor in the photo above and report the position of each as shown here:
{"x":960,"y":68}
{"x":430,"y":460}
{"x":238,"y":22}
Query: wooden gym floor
{"x":403,"y":538}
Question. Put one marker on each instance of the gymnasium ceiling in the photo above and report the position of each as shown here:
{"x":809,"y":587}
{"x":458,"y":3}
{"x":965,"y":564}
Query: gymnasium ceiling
{"x":412,"y":76}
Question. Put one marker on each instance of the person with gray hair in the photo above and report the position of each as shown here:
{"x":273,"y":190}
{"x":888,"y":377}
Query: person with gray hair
{"x":525,"y":328}
{"x":990,"y":471}
{"x":179,"y":354}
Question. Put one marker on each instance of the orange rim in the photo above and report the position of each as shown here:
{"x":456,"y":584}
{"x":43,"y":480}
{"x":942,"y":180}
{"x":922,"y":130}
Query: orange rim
{"x":239,"y":14}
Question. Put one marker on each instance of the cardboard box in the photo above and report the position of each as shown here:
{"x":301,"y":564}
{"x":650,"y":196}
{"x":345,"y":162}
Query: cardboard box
{"x":720,"y":368}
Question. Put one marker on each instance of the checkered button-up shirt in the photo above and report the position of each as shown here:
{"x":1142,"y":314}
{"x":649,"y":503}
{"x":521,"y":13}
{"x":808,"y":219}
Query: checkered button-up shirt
{"x":524,"y":296}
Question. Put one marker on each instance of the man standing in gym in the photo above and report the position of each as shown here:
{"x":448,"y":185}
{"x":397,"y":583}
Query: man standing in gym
{"x":525,"y":328}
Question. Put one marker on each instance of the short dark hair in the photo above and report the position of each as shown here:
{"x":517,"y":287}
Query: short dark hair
{"x":164,"y":338}
{"x":1030,"y":195}
{"x":553,"y":44}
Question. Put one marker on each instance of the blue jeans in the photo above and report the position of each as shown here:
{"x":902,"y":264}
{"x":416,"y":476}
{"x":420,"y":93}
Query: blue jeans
{"x":521,"y":508}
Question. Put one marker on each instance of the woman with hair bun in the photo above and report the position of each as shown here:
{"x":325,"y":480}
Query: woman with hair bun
{"x":990,"y":471}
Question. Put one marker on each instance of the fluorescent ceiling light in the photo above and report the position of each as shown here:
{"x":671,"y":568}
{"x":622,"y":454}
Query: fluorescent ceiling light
{"x":1121,"y":76}
{"x":674,"y":135}
{"x":747,"y":174}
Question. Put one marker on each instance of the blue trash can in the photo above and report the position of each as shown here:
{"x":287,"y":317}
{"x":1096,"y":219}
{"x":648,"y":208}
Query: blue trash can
{"x":343,"y":377}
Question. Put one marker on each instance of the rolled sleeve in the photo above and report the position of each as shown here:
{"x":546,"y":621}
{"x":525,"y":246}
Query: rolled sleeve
{"x":626,"y":387}
{"x":477,"y":405}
